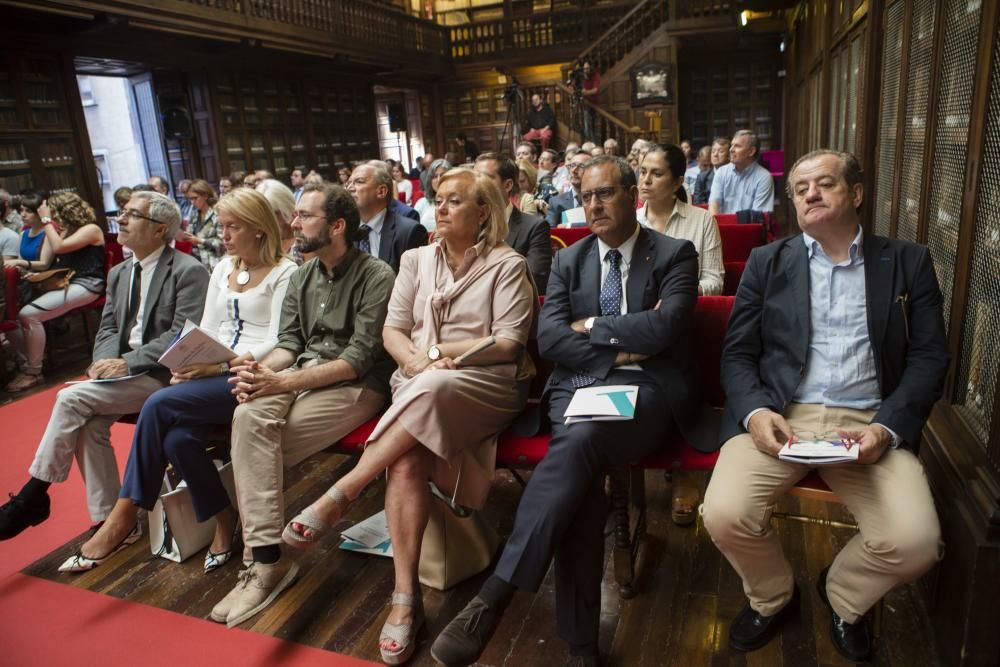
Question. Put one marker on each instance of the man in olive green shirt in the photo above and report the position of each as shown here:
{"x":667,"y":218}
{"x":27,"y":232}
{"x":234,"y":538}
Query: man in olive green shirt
{"x":327,"y":375}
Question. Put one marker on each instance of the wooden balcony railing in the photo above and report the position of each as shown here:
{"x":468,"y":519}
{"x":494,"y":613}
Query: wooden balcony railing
{"x":364,"y":29}
{"x":570,"y":29}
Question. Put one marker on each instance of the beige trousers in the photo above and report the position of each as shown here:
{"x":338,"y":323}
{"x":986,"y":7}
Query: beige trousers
{"x":899,"y":538}
{"x":272,"y":433}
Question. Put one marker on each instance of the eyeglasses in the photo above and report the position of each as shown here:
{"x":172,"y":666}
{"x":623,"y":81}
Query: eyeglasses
{"x":604,"y":195}
{"x":127,"y":213}
{"x":574,"y":166}
{"x":305,"y":216}
{"x":818,"y":436}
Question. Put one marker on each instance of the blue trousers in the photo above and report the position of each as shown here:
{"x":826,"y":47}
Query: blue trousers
{"x":173,"y":427}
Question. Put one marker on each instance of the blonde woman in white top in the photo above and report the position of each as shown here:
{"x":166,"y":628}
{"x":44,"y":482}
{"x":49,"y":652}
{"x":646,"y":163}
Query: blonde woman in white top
{"x":242,"y":309}
{"x":661,"y":186}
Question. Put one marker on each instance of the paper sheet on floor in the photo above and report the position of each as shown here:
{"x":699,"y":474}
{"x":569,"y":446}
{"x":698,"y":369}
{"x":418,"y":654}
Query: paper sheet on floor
{"x":370,"y":536}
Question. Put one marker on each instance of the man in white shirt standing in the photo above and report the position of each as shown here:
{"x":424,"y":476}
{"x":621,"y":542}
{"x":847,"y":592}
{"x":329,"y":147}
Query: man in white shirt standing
{"x":148,"y":300}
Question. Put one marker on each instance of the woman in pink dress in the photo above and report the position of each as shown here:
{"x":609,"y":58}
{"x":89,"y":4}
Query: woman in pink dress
{"x":467,"y":289}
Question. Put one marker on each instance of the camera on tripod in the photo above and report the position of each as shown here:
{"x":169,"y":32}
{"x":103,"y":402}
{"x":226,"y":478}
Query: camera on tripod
{"x":511,"y":92}
{"x":576,"y":77}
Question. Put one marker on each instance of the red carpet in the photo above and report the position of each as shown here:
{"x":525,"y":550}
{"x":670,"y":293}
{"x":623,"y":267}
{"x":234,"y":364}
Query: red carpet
{"x":44,"y":623}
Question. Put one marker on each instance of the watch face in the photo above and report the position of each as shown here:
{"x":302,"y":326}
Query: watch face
{"x":434,"y":353}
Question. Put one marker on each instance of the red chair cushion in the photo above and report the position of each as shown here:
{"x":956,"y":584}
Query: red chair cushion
{"x":514,"y":450}
{"x":354,"y":442}
{"x":734,"y":271}
{"x":184,"y":246}
{"x":678,"y":454}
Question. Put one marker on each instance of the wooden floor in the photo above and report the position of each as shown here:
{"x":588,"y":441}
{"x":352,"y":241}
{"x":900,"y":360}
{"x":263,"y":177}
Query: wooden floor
{"x":688,"y":593}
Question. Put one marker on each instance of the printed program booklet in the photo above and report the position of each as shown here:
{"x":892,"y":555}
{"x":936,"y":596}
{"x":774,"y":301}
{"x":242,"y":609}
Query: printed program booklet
{"x":607,"y":403}
{"x":370,"y":536}
{"x":194,"y":345}
{"x":818,"y":452}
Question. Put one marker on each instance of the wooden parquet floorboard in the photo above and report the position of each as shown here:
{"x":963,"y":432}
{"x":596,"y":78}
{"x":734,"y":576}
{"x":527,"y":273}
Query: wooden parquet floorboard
{"x":688,"y":593}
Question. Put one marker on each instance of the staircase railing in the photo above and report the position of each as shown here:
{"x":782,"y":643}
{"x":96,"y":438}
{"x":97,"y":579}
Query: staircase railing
{"x":569,"y":112}
{"x":626,"y":34}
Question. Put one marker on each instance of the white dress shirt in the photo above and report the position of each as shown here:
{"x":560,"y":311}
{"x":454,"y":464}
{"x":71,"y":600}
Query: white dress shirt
{"x":148,"y":265}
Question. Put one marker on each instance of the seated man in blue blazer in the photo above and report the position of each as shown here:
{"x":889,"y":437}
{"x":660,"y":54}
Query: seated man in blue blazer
{"x":617,"y":312}
{"x":570,"y":198}
{"x":384,"y":234}
{"x":836,"y":334}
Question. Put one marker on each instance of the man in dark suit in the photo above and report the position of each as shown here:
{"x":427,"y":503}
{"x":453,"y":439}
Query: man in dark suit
{"x":617,"y":312}
{"x":149,"y":298}
{"x":527,"y":234}
{"x":570,"y":198}
{"x":837,"y":335}
{"x":384,"y":234}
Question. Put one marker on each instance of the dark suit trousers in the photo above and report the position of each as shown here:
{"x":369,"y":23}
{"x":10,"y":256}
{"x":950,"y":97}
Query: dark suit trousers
{"x":174,"y":427}
{"x":564,"y":508}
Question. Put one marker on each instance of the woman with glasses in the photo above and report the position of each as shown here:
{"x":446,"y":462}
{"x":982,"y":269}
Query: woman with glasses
{"x":661,"y":186}
{"x":429,"y":180}
{"x":79,"y":246}
{"x":242,"y":310}
{"x":452,"y":297}
{"x":203,"y":230}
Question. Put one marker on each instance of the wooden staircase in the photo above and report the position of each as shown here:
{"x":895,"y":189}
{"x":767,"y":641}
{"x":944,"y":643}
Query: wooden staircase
{"x":625,"y":42}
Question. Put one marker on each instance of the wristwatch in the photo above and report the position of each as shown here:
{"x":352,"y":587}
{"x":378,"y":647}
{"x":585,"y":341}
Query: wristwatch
{"x":588,"y":323}
{"x":434,"y":353}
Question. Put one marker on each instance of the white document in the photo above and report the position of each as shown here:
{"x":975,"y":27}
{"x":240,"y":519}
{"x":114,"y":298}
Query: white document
{"x":104,"y":380}
{"x":819,"y":452}
{"x":573,"y":217}
{"x":194,"y":345}
{"x":370,"y":536}
{"x":607,"y":403}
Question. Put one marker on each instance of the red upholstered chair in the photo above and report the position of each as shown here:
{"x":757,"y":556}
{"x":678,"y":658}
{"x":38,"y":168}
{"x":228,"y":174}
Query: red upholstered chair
{"x":628,"y":487}
{"x":12,"y":297}
{"x":184,"y":246}
{"x":739,"y":240}
{"x":570,"y":235}
{"x":556,"y":243}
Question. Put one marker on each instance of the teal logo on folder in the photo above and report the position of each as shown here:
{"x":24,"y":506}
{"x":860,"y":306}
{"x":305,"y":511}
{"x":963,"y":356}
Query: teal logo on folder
{"x":621,"y":402}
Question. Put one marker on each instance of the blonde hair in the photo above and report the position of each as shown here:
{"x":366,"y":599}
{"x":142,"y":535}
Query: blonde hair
{"x":281,"y":198}
{"x":252,"y":208}
{"x":203,"y":188}
{"x":71,"y":211}
{"x":529,"y":170}
{"x":494,"y":229}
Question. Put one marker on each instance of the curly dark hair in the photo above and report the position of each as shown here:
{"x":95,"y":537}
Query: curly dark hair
{"x":71,"y":211}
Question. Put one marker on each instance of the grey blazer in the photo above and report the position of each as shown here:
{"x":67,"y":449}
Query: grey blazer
{"x":177,"y":293}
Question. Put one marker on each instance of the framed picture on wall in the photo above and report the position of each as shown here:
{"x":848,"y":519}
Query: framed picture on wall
{"x":652,"y":83}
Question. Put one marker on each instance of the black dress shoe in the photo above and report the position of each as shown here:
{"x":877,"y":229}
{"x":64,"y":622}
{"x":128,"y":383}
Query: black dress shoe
{"x":853,"y":640}
{"x":751,"y":630}
{"x":18,"y":513}
{"x":462,"y":641}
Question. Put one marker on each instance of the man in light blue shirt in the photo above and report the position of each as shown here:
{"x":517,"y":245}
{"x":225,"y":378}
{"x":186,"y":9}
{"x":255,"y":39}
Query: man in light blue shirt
{"x":743,"y":184}
{"x":838,"y":336}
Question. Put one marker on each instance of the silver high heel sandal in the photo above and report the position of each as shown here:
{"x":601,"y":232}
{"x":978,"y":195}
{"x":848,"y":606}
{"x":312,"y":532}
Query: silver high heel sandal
{"x":405,"y":636}
{"x":308,"y":519}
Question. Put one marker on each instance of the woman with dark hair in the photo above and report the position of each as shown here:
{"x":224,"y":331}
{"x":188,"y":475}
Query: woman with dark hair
{"x":343,"y":175}
{"x":429,"y":180}
{"x":35,"y":253}
{"x":80,"y":247}
{"x":661,"y":186}
{"x":203,"y":230}
{"x":403,"y":185}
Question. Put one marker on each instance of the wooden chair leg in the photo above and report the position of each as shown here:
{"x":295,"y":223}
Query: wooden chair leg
{"x":628,"y":491}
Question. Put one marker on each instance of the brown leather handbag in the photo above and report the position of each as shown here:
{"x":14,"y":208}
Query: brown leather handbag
{"x":51,"y":280}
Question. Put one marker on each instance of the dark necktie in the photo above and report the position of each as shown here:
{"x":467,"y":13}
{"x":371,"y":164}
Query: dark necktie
{"x":610,"y":302}
{"x":364,"y":245}
{"x":134,"y":299}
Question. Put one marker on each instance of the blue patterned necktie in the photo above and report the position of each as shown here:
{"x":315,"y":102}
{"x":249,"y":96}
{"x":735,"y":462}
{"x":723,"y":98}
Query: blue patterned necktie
{"x":364,"y":245}
{"x":610,"y":302}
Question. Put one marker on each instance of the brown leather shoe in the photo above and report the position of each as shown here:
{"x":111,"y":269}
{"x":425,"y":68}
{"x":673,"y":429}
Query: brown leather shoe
{"x":463,"y":640}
